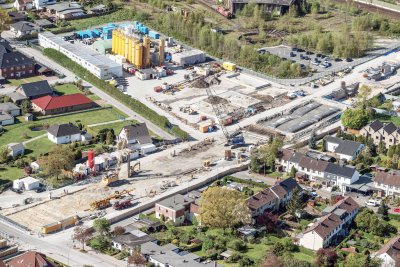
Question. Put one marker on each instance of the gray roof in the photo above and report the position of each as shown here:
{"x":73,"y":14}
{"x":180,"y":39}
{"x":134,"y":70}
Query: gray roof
{"x":16,"y":96}
{"x":62,"y":6}
{"x":139,"y":132}
{"x":343,"y":171}
{"x":390,"y":128}
{"x":8,"y":107}
{"x":24,"y":26}
{"x":34,"y":89}
{"x":15,"y":15}
{"x":16,"y":146}
{"x":376,"y":125}
{"x":131,"y":240}
{"x":43,"y":23}
{"x":12,"y":59}
{"x":59,"y":130}
{"x":5,"y":116}
{"x":176,"y":202}
{"x":345,"y":147}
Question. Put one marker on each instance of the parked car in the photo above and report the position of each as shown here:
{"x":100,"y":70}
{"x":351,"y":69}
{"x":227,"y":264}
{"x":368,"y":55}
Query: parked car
{"x":302,"y":56}
{"x":18,"y":191}
{"x":314,"y":62}
{"x":349,"y":59}
{"x":371,"y":202}
{"x":338,"y":59}
{"x":291,"y":54}
{"x":309,"y":53}
{"x":318,"y":55}
{"x":40,"y":190}
{"x":294,"y":49}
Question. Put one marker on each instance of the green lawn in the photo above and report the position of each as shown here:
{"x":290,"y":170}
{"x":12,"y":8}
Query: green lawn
{"x":17,"y":82}
{"x":10,"y":173}
{"x":119,"y":15}
{"x":117,"y":126}
{"x":67,"y":89}
{"x":395,"y":223}
{"x":37,"y":147}
{"x":14,"y":133}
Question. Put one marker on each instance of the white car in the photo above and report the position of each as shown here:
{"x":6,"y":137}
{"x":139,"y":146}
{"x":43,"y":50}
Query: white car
{"x":372,"y":203}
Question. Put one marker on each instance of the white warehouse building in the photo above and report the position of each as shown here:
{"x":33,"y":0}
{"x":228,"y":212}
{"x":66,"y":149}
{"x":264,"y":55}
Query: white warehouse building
{"x":99,"y":65}
{"x":189,"y":57}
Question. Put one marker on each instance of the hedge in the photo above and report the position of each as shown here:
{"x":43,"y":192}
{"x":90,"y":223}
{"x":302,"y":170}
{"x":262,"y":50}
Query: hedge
{"x":132,"y":103}
{"x":62,"y":30}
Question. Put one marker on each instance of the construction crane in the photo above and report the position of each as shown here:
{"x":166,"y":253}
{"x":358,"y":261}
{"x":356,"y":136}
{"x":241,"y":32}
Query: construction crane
{"x":219,"y":111}
{"x":105,"y":202}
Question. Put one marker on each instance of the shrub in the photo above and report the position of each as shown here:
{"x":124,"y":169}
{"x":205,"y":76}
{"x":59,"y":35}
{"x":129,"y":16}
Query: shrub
{"x":238,"y":245}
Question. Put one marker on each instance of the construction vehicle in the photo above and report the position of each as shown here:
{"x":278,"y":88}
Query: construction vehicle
{"x":221,"y":114}
{"x":206,"y":163}
{"x":109,"y":178}
{"x":122,"y":205}
{"x":105,"y":203}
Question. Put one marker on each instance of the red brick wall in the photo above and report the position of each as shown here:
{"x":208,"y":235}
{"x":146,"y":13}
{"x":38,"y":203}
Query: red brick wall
{"x":7,"y":73}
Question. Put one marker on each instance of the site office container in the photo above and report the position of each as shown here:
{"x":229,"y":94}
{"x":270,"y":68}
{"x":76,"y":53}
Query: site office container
{"x":69,"y":221}
{"x":204,"y":126}
{"x":226,"y":120}
{"x":229,"y":66}
{"x":50,"y":228}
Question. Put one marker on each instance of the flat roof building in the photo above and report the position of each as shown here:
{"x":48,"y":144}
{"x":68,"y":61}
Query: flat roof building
{"x":99,"y":65}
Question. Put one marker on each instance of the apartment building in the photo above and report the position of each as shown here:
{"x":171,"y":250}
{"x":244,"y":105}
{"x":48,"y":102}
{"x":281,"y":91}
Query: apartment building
{"x":273,"y":198}
{"x":388,"y":182}
{"x":327,"y":173}
{"x":379,"y":132}
{"x":332,"y":227}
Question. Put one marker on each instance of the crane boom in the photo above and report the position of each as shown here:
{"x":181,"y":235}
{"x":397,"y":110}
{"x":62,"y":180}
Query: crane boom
{"x":217,"y":112}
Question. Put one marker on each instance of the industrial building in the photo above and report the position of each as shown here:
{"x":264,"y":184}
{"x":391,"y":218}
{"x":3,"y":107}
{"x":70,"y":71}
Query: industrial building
{"x":139,"y":54}
{"x":279,"y":6}
{"x":99,"y":65}
{"x":189,"y":57}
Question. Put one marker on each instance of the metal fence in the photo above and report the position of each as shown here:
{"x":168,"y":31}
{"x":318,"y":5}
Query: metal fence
{"x":14,"y":224}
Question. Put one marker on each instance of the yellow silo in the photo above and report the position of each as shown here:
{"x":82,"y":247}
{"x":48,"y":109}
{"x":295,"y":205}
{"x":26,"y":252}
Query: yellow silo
{"x":122,"y":44}
{"x":117,"y":46}
{"x":126,"y":46}
{"x":146,"y":57}
{"x":139,"y":56}
{"x":130,"y":45}
{"x":161,"y":49}
{"x":135,"y":43}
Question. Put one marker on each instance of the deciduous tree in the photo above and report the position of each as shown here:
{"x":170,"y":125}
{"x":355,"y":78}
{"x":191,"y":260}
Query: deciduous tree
{"x":137,"y":259}
{"x":358,"y":259}
{"x":82,"y":234}
{"x":326,"y":258}
{"x":224,"y":208}
{"x":355,"y":118}
{"x":102,"y":226}
{"x":269,"y":220}
{"x":119,"y":230}
{"x":295,"y":203}
{"x":59,"y":158}
{"x":4,"y":154}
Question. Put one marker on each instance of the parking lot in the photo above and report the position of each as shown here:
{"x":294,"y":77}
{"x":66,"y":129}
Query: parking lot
{"x":315,"y":61}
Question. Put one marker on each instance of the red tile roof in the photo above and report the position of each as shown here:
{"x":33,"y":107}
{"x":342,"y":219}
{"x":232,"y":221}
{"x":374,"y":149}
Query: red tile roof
{"x":54,"y":102}
{"x":31,"y":259}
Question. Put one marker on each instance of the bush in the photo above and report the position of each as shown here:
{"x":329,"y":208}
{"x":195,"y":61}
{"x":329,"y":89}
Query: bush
{"x":100,"y":243}
{"x":238,"y":245}
{"x":245,"y":261}
{"x":132,"y":103}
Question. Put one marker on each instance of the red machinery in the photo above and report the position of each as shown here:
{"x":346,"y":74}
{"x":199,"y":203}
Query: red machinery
{"x":224,"y":12}
{"x":122,"y":205}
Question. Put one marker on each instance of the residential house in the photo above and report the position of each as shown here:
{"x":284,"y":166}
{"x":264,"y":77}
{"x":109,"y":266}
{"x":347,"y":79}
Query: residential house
{"x":17,"y":98}
{"x":6,"y":119}
{"x":390,"y":253}
{"x":345,"y":149}
{"x":332,"y":227}
{"x":10,"y":108}
{"x":388,"y":133}
{"x":273,"y":198}
{"x":65,"y":10}
{"x":135,"y":135}
{"x":24,"y":28}
{"x":16,"y":16}
{"x":131,"y":240}
{"x":44,"y":23}
{"x":388,"y":182}
{"x":23,"y":5}
{"x":35,"y":89}
{"x":31,"y":259}
{"x":50,"y":105}
{"x":178,"y":208}
{"x":13,"y":64}
{"x":63,"y":133}
{"x":16,"y":149}
{"x":327,"y":173}
{"x":40,"y":4}
{"x":172,"y":256}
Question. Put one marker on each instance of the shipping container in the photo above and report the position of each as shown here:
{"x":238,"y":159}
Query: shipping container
{"x":229,"y":66}
{"x":69,"y":221}
{"x":226,"y":120}
{"x":154,"y":35}
{"x":50,"y":228}
{"x":204,"y":126}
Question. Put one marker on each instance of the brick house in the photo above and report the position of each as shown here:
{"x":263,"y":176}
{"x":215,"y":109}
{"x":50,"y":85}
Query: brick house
{"x":14,"y":65}
{"x":380,"y":132}
{"x":50,"y":105}
{"x":35,"y":89}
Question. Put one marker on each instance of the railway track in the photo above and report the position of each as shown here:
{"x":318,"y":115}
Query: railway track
{"x":210,"y":5}
{"x":374,"y":9}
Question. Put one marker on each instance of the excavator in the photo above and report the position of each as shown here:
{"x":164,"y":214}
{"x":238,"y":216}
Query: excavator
{"x":106,"y":202}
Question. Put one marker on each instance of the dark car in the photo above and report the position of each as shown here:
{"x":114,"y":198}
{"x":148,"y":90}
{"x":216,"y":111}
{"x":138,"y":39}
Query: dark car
{"x":300,"y":50}
{"x":349,"y":59}
{"x":318,"y":55}
{"x":40,"y":190}
{"x":292,"y":54}
{"x":294,"y":49}
{"x":338,"y":59}
{"x":323,"y":56}
{"x":284,"y":58}
{"x":302,"y":56}
{"x":18,"y":191}
{"x":309,"y":53}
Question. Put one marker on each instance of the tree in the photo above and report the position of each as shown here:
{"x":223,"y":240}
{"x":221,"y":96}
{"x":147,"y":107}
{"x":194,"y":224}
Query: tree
{"x":109,"y":138}
{"x":326,"y":258}
{"x":312,"y":142}
{"x":271,"y":260}
{"x":269,"y":220}
{"x":362,"y":96}
{"x":293,"y":172}
{"x":315,"y":7}
{"x":4,"y":19}
{"x":368,"y":221}
{"x":137,"y":259}
{"x":323,"y":145}
{"x":25,"y":106}
{"x":4,"y":153}
{"x":295,"y":203}
{"x":101,"y":226}
{"x":59,"y":158}
{"x":100,"y":243}
{"x":358,"y":259}
{"x":384,"y":211}
{"x":118,"y":230}
{"x":224,"y":208}
{"x":82,"y":234}
{"x":355,"y":118}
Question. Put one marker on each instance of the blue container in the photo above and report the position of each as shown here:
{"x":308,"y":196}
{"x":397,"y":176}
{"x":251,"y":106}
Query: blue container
{"x":154,"y":35}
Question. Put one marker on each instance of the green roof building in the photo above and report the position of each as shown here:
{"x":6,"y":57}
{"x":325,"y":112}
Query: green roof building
{"x":103,"y":46}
